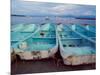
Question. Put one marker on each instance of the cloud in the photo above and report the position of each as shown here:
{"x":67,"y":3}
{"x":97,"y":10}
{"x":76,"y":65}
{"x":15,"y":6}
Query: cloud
{"x":64,"y":9}
{"x":44,"y":8}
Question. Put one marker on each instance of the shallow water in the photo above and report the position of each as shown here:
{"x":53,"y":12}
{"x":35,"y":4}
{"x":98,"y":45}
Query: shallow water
{"x":40,"y":20}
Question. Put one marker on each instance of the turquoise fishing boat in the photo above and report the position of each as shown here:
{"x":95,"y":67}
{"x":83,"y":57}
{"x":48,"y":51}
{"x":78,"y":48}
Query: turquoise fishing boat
{"x":39,"y":45}
{"x":91,"y":28}
{"x":23,"y":28}
{"x":88,"y":34}
{"x":19,"y":33}
{"x":75,"y":49}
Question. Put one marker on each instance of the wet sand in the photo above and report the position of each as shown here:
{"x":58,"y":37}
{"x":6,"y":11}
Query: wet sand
{"x":45,"y":65}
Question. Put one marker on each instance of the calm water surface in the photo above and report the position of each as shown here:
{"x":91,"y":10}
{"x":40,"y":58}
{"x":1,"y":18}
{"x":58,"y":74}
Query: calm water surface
{"x":39,"y":20}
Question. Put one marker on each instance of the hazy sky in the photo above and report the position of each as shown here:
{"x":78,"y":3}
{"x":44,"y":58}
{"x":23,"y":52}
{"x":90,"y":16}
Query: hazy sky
{"x":21,"y":7}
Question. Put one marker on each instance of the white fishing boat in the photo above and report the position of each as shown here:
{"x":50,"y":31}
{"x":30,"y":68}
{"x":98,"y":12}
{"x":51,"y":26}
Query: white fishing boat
{"x":75,"y":49}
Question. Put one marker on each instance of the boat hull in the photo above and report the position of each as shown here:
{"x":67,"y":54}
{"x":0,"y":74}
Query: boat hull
{"x":31,"y":55}
{"x":79,"y":60}
{"x":74,"y":51}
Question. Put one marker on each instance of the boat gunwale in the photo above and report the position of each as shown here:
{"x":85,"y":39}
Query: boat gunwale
{"x":61,"y":47}
{"x":56,"y":44}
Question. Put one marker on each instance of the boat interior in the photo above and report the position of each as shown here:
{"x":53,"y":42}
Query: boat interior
{"x":24,"y":28}
{"x":75,"y":44}
{"x":38,"y":44}
{"x":84,"y":32}
{"x":43,"y":39}
{"x":72,"y":38}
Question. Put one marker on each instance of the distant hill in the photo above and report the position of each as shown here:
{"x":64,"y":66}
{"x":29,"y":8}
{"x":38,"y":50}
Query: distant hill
{"x":87,"y":18}
{"x":67,"y":16}
{"x":18,"y":15}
